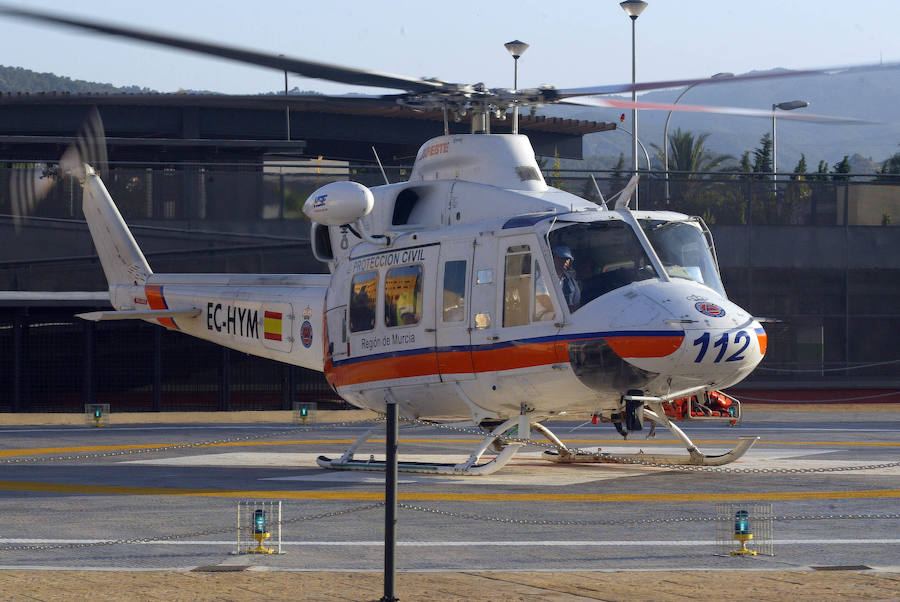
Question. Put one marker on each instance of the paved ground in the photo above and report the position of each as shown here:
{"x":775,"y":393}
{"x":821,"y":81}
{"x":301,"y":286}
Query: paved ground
{"x":533,"y":530}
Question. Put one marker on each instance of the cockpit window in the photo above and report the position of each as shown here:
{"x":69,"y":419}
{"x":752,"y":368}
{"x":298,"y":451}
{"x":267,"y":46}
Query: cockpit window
{"x":594,"y":258}
{"x":684,"y":251}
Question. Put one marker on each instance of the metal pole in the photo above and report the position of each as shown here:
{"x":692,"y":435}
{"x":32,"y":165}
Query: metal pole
{"x":666,"y":141}
{"x":88,"y":384}
{"x":157,"y":369}
{"x":390,"y":499}
{"x":515,"y":126}
{"x":634,"y":118}
{"x":643,"y":148}
{"x":287,"y":107}
{"x":774,"y":154}
{"x":19,"y":326}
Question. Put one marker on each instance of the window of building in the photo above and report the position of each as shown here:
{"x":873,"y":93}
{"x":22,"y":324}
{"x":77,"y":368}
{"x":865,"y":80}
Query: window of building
{"x":517,"y":286}
{"x":363,"y":295}
{"x":454,"y":300}
{"x":403,"y":296}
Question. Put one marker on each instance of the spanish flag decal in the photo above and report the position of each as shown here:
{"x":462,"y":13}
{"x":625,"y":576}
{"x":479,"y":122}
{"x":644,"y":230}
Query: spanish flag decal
{"x":272,"y":325}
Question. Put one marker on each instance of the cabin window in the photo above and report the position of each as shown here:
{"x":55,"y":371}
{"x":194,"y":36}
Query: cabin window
{"x":517,"y":286}
{"x":543,"y":304}
{"x":363,"y":295}
{"x":454,"y":300}
{"x":527,"y":172}
{"x":403,"y":296}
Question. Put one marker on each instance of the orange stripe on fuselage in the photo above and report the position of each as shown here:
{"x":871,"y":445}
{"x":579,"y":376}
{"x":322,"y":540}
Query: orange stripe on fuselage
{"x":409,"y":366}
{"x":638,"y":346}
{"x":763,"y":342}
{"x":156,"y":301}
{"x":524,"y":355}
{"x":513,"y":357}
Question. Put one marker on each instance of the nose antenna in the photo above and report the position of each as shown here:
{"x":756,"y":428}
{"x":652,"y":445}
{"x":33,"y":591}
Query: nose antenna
{"x":597,"y":188}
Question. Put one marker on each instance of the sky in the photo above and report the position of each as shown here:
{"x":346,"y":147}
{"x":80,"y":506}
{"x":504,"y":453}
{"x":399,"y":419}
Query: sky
{"x":573,"y":43}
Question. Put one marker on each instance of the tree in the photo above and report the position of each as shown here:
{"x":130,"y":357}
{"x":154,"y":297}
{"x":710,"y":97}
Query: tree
{"x":841,"y":167}
{"x":690,"y":155}
{"x":890,"y":168}
{"x":745,"y":165}
{"x":800,"y":169}
{"x":762,"y":156}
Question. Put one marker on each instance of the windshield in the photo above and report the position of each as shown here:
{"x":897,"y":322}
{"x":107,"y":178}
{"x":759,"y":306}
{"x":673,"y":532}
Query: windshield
{"x":684,"y":251}
{"x":594,"y":258}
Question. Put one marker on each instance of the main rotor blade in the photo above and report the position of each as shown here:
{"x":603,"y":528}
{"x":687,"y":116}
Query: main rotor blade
{"x":590,"y":101}
{"x":723,"y":78}
{"x":335,"y":73}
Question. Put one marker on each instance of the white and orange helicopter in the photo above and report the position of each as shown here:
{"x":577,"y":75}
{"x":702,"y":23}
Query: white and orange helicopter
{"x":473,"y":291}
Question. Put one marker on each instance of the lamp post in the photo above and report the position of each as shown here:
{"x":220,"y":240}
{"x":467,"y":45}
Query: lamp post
{"x":784,"y":106}
{"x":516,"y":48}
{"x":633,"y":8}
{"x":641,"y":144}
{"x":666,"y":129}
{"x":287,"y":106}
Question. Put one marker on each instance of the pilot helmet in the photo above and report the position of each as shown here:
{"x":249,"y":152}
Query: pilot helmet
{"x":564,"y":252}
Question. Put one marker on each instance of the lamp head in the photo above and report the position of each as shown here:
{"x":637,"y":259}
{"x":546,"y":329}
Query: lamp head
{"x":791,"y":105}
{"x":516,"y":48}
{"x":633,"y":8}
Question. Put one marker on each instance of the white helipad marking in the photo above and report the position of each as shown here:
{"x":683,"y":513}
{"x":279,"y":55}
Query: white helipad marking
{"x":526,"y":464}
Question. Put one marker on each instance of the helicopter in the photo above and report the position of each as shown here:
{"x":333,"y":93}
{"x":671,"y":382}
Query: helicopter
{"x":474,"y":291}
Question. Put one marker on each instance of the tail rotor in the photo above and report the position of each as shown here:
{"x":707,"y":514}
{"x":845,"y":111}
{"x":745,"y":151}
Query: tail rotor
{"x":31,"y":183}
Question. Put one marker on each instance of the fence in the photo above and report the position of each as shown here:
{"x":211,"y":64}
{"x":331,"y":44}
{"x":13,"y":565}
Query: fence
{"x":53,"y":362}
{"x":820,"y":256}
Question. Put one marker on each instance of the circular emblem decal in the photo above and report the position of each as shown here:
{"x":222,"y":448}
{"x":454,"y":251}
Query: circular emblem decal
{"x":306,"y":334}
{"x":709,"y":309}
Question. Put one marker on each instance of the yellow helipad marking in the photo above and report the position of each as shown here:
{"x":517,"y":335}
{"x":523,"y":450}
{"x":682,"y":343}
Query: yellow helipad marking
{"x":446,"y":497}
{"x":6,"y":453}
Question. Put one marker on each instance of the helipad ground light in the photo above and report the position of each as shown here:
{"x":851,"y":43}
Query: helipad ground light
{"x":261,"y":533}
{"x":257,"y":522}
{"x":751,"y":525}
{"x":742,"y":533}
{"x":96,"y":414}
{"x":304,"y":412}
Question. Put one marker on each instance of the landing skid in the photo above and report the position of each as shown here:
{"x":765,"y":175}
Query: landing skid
{"x":469,"y":467}
{"x":694,"y":458}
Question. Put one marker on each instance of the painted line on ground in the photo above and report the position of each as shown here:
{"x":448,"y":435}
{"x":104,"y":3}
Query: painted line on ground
{"x":461,"y":544}
{"x":446,"y":497}
{"x":7,"y":453}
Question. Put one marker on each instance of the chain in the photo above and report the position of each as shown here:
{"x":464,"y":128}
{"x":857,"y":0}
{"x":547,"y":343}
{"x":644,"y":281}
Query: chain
{"x":641,"y":521}
{"x":143,"y":540}
{"x":611,"y":458}
{"x":477,"y":431}
{"x":177,"y":446}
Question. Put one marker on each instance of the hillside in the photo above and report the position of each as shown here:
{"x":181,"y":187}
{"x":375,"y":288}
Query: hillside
{"x":17,"y":79}
{"x":872,"y":96}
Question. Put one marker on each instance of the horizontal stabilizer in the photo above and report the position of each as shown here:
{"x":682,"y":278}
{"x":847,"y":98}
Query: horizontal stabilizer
{"x":96,"y":316}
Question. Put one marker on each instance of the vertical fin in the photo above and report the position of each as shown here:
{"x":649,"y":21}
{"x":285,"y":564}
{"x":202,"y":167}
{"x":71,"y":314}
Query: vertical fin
{"x":120,"y":256}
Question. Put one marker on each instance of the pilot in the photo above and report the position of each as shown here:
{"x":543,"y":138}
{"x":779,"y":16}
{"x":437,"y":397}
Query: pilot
{"x":564,"y":262}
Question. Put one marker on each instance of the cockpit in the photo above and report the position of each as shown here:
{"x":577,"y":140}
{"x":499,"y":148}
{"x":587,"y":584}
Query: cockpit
{"x":596,"y":257}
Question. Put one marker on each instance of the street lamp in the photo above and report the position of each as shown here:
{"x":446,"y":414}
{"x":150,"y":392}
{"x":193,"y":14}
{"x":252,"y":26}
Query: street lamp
{"x":287,"y":106}
{"x":516,"y":48}
{"x":633,"y":8}
{"x":666,"y":129}
{"x":784,"y":106}
{"x":641,"y":144}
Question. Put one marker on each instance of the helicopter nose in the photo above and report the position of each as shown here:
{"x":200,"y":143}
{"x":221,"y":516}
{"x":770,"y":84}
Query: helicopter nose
{"x":720,"y":344}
